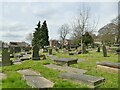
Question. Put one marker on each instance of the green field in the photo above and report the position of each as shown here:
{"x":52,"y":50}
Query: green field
{"x":14,"y":79}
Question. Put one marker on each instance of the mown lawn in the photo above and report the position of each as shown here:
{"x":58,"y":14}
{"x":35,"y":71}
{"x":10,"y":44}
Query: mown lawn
{"x":14,"y":79}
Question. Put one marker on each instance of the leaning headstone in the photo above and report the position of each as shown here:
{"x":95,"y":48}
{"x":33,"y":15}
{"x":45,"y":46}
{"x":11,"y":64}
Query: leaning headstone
{"x":35,"y":55}
{"x":6,"y":57}
{"x":104,"y":51}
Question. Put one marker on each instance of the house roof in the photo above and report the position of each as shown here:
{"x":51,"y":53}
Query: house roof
{"x":18,"y":44}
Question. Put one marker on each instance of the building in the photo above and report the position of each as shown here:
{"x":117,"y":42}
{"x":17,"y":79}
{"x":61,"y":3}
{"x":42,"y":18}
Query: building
{"x":53,"y":43}
{"x":18,"y":44}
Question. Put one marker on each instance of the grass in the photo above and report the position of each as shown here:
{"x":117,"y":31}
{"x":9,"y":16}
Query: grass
{"x":14,"y":79}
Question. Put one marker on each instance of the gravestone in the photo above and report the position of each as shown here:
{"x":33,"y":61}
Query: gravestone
{"x":83,"y":48}
{"x":104,"y":51}
{"x":6,"y":57}
{"x":17,"y":49}
{"x":11,"y":52}
{"x":35,"y":55}
{"x":98,"y":49}
{"x":50,"y":51}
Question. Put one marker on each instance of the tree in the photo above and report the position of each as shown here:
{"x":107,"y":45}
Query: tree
{"x":87,"y":39}
{"x":37,"y":35}
{"x":40,"y":36}
{"x":116,"y":21}
{"x":64,"y":31}
{"x":46,"y":37}
{"x":108,"y":33}
{"x":82,"y":24}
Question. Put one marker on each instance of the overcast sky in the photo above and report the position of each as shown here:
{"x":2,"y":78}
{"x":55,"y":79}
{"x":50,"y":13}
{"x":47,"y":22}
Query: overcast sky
{"x":17,"y":19}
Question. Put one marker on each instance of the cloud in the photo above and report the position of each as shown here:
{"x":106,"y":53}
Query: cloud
{"x":13,"y":31}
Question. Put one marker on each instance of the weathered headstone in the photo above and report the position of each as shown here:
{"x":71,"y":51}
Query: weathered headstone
{"x":83,"y":48}
{"x":50,"y":51}
{"x":35,"y":55}
{"x":98,"y":49}
{"x":6,"y":57}
{"x":104,"y":51}
{"x":11,"y":52}
{"x":17,"y":49}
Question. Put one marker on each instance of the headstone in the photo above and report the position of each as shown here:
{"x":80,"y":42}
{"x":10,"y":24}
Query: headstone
{"x":11,"y":52}
{"x":6,"y":57}
{"x":35,"y":55}
{"x":17,"y":49}
{"x":104,"y":51}
{"x":50,"y":51}
{"x":83,"y":48}
{"x":98,"y":49}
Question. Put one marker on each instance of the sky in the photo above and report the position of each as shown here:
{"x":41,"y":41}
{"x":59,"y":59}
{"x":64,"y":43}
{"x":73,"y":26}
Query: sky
{"x":18,"y":19}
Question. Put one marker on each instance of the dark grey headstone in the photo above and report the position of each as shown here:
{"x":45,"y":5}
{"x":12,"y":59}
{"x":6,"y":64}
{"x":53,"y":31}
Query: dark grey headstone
{"x":35,"y":55}
{"x":6,"y":57}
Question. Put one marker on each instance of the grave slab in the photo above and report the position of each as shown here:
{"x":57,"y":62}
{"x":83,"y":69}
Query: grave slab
{"x":109,"y":64}
{"x":65,"y":61}
{"x":89,"y":80}
{"x":108,"y":69}
{"x":66,"y":68}
{"x":35,"y":80}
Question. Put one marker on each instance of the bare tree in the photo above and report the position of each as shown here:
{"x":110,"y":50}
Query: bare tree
{"x":64,"y":31}
{"x":83,"y":23}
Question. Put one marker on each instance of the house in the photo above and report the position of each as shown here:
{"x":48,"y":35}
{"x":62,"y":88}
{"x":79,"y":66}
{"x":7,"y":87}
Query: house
{"x":53,"y":43}
{"x":17,"y":46}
